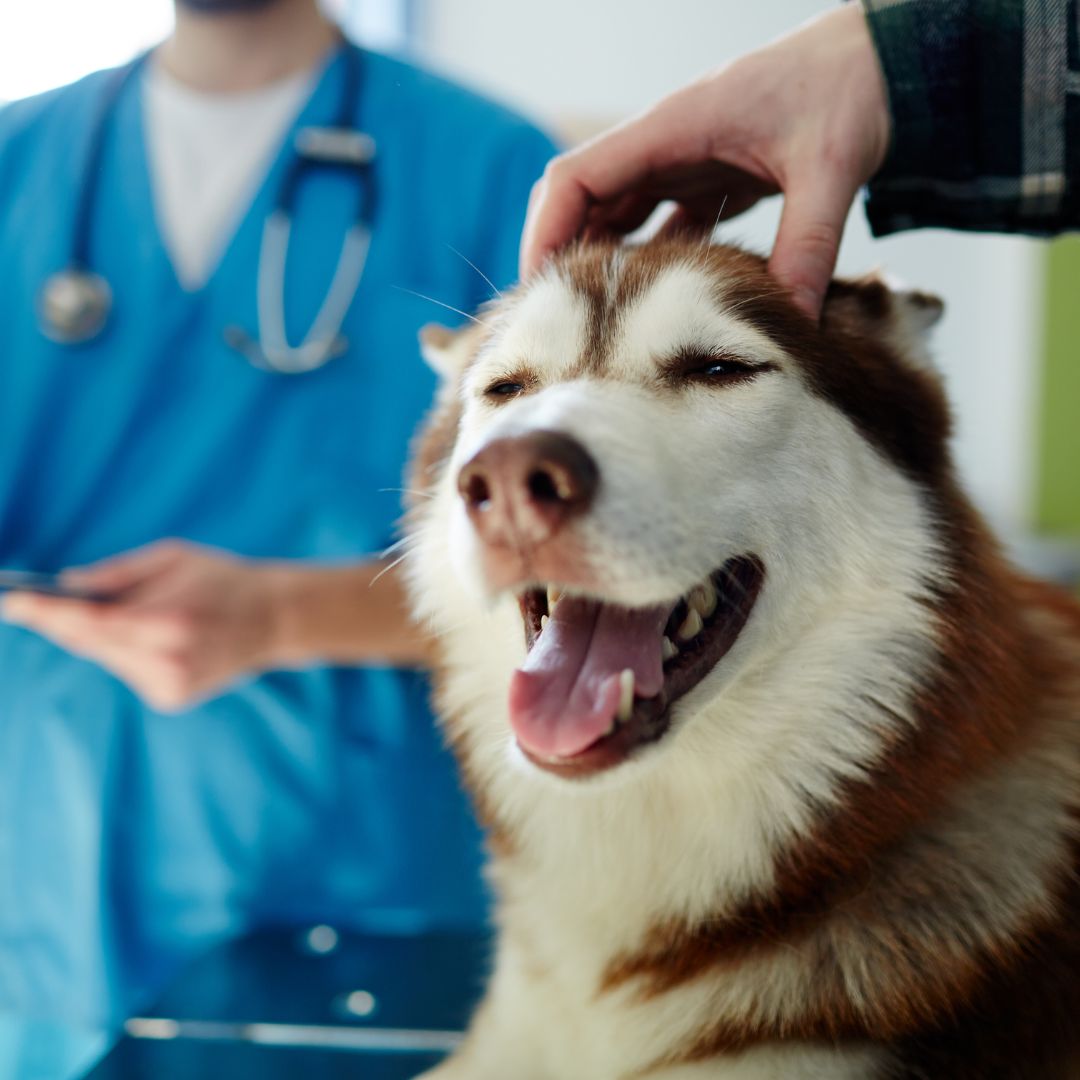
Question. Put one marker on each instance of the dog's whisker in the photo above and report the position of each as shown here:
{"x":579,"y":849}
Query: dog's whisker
{"x":407,"y":491}
{"x":491,"y":284}
{"x":707,"y":238}
{"x":449,"y":628}
{"x":449,"y":307}
{"x":397,"y":545}
{"x":769,"y":293}
{"x":386,"y":569}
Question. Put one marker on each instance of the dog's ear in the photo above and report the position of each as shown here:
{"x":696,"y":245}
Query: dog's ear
{"x":874,"y":305}
{"x":447,"y":351}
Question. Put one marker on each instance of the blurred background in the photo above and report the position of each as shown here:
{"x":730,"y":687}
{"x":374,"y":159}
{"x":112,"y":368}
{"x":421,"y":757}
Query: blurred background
{"x":1006,"y":344}
{"x":1007,"y":347}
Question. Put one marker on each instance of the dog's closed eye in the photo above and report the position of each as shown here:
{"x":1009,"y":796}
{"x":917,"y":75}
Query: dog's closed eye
{"x":504,"y":389}
{"x":711,"y":368}
{"x":509,"y":386}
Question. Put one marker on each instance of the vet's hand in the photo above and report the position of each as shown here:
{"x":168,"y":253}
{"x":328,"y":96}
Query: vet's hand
{"x":182,"y":622}
{"x":806,"y":115}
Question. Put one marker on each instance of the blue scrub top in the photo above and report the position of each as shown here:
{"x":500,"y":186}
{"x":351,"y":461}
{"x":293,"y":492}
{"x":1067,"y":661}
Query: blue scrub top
{"x":129,"y":840}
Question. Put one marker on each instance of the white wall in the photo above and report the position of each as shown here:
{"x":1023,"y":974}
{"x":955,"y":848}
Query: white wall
{"x":599,"y":60}
{"x":34,"y":57}
{"x":380,"y":24}
{"x":48,"y":43}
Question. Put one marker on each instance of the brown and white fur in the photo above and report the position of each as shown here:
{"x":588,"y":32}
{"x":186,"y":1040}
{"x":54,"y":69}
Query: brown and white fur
{"x":850,"y":850}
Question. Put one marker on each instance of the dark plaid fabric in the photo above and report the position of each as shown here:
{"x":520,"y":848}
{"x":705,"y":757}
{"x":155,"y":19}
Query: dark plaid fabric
{"x":985,"y":103}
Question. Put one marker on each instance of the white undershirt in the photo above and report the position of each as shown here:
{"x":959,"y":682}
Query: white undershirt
{"x":208,"y":156}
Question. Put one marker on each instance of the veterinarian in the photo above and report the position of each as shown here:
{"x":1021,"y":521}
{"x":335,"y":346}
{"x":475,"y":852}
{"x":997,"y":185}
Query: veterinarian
{"x":145,"y":394}
{"x":957,"y":113}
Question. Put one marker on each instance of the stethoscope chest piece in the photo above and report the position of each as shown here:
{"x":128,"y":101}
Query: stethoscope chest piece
{"x":74,"y":306}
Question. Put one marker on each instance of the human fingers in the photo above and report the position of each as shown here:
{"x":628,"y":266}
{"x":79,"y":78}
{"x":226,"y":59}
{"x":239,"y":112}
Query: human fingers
{"x":701,"y":217}
{"x":160,"y":660}
{"x":121,"y":572}
{"x":551,"y":219}
{"x":606,"y":167}
{"x":808,"y":239}
{"x":703,"y":196}
{"x":167,"y":681}
{"x":81,"y":625}
{"x":52,"y":616}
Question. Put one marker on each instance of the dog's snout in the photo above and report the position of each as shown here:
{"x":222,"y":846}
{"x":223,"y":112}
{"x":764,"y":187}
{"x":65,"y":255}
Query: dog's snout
{"x":521,"y":490}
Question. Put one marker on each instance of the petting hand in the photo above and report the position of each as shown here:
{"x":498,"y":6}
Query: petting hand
{"x":181,"y":621}
{"x":806,"y":116}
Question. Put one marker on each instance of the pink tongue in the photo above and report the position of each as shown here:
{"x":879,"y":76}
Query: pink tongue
{"x":566,"y":694}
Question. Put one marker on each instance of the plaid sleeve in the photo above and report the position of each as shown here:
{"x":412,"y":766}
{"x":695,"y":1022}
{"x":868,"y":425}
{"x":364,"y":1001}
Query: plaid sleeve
{"x":985,"y":104}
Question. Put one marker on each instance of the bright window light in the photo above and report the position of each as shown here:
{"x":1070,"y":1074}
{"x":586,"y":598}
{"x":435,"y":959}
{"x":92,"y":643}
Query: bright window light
{"x":47,"y":43}
{"x":379,"y":24}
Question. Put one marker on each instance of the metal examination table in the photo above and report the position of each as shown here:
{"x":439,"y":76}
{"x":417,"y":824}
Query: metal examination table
{"x":313,"y":1004}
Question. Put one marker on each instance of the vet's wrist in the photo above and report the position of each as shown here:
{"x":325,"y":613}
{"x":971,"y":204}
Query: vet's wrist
{"x":285,"y":642}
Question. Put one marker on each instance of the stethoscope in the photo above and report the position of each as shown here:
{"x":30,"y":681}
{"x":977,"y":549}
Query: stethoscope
{"x":75,"y":303}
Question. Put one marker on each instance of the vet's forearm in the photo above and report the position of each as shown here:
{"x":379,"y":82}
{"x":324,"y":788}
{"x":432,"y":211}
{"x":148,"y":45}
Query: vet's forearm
{"x":356,"y":614}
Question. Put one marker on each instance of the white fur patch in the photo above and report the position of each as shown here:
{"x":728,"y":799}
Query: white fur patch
{"x":679,"y":311}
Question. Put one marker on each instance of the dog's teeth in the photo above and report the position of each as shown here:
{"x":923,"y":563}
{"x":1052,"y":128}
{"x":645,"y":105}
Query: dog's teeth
{"x":553,"y":595}
{"x":668,"y":648}
{"x":691,"y":627}
{"x":626,"y":695}
{"x":703,"y":599}
{"x":543,"y":623}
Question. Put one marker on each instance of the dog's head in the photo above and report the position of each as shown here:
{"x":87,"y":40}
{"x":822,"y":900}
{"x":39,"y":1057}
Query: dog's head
{"x":650,"y":481}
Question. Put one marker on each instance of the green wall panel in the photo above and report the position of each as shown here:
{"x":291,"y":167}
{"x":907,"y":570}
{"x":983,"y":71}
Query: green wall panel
{"x":1058,"y":492}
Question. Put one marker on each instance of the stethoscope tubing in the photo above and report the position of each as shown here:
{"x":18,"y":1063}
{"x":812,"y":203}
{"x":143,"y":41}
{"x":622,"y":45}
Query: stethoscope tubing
{"x":324,"y":336}
{"x":342,"y":146}
{"x":79,"y":257}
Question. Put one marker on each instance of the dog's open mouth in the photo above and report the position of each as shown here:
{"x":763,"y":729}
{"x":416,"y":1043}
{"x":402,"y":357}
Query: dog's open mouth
{"x":599,"y":680}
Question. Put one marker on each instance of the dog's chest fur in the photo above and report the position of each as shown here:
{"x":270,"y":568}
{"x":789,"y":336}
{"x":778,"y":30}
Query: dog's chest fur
{"x":854,"y":855}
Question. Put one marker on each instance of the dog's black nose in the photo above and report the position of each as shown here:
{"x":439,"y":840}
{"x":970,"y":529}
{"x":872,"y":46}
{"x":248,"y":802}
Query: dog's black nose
{"x":521,"y":490}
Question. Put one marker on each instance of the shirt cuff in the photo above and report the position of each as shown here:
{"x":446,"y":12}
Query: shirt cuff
{"x":956,"y":79}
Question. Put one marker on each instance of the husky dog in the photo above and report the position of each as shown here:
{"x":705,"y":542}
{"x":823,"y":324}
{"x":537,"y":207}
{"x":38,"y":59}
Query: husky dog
{"x":779,"y":758}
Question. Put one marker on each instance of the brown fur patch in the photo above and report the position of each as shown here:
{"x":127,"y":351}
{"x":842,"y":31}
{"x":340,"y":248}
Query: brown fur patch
{"x":432,"y":446}
{"x":869,"y":298}
{"x":609,"y":279}
{"x":898,"y":408}
{"x":1018,"y":1023}
{"x":589,"y":279}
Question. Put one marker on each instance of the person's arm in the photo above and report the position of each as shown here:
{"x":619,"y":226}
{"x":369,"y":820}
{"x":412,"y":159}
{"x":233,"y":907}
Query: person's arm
{"x":985,"y":121}
{"x":344,"y":615}
{"x":805,"y":116}
{"x":976,"y":102}
{"x":183,"y":622}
